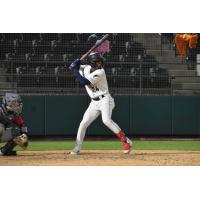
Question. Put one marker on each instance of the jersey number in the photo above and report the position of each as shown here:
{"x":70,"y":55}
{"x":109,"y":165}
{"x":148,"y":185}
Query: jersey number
{"x":93,"y":88}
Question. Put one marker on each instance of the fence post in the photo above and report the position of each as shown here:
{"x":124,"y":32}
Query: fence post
{"x":45,"y":115}
{"x":171,"y":85}
{"x":172,"y":104}
{"x":12,"y":73}
{"x":198,"y":65}
{"x":141,"y":62}
{"x":161,"y":42}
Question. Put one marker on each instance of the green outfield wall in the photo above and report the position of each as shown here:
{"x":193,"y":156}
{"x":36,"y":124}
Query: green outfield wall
{"x":136,"y":115}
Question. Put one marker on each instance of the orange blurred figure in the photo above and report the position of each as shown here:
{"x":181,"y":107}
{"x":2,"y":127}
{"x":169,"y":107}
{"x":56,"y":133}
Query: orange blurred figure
{"x":185,"y":40}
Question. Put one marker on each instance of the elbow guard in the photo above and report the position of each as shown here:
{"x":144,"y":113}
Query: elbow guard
{"x":75,"y":64}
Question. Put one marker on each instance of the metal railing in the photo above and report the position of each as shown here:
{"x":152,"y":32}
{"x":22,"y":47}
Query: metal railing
{"x":62,"y":84}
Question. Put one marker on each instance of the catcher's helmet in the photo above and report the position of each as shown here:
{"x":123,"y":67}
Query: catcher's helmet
{"x":13,"y":102}
{"x":95,"y":57}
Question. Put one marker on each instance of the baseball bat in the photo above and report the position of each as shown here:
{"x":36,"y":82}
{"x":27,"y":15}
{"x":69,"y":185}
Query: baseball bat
{"x":98,"y":43}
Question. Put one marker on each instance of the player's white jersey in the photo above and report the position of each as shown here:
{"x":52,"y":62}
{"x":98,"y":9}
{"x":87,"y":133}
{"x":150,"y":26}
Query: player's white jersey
{"x":97,"y":78}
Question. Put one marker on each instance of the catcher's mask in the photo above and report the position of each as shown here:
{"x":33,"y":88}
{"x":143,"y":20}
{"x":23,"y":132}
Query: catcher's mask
{"x":13,"y":102}
{"x":96,"y":60}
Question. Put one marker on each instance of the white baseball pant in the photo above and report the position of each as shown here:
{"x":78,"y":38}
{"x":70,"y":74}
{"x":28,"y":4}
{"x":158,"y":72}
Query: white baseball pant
{"x":104,"y":107}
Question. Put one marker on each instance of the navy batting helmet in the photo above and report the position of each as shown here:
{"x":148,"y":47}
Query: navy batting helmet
{"x":95,"y":57}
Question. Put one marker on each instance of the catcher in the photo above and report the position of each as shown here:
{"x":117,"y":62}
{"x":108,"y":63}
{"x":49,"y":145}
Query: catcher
{"x":13,"y":131}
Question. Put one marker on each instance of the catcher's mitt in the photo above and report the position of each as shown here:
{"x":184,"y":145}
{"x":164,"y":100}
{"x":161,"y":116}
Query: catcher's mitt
{"x":21,"y":140}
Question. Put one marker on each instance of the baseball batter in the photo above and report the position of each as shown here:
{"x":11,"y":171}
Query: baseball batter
{"x":93,"y":77}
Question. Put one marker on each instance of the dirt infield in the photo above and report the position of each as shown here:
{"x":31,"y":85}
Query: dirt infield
{"x":103,"y":158}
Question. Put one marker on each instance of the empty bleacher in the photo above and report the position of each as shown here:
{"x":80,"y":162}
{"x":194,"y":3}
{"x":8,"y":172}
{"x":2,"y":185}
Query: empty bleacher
{"x":137,"y":63}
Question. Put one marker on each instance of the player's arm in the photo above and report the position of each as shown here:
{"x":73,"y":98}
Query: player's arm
{"x":20,"y":122}
{"x":6,"y":120}
{"x":74,"y":67}
{"x":21,"y":132}
{"x":95,"y":76}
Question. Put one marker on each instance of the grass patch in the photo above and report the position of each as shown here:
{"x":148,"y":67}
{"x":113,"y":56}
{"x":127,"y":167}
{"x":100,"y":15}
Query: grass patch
{"x":114,"y":145}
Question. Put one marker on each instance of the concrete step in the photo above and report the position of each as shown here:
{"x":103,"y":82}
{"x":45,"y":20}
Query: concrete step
{"x":2,"y":78}
{"x":149,"y":43}
{"x":163,"y":52}
{"x":168,"y":59}
{"x":182,"y":72}
{"x":168,"y":46}
{"x":186,"y":80}
{"x":171,"y":66}
{"x":3,"y":91}
{"x":145,"y":35}
{"x":181,"y":92}
{"x":187,"y":86}
{"x":7,"y":85}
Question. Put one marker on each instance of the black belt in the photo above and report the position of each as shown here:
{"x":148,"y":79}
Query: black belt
{"x":99,"y":98}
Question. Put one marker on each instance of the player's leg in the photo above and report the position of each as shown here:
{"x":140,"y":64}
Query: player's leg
{"x":106,"y":111}
{"x":90,"y":115}
{"x":2,"y":129}
{"x":7,"y":149}
{"x":6,"y":136}
{"x":12,"y":137}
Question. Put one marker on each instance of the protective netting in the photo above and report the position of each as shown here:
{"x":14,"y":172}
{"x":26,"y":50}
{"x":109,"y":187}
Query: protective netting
{"x":140,"y":64}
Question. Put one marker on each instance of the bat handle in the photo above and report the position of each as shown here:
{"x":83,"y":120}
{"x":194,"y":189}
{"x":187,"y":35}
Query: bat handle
{"x":84,"y":56}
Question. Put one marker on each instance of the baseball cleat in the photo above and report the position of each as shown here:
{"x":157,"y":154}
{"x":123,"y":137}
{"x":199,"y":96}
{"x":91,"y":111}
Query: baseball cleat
{"x":127,"y":146}
{"x":8,"y":153}
{"x":75,"y":151}
{"x":1,"y":153}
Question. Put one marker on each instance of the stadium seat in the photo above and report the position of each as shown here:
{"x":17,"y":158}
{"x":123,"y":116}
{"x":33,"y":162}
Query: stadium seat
{"x":49,"y":36}
{"x":22,"y":47}
{"x":18,"y":57}
{"x":60,"y":48}
{"x":12,"y":36}
{"x":149,"y":61}
{"x":83,"y":37}
{"x":2,"y":37}
{"x":41,"y":47}
{"x":31,"y":36}
{"x":6,"y":48}
{"x":162,"y":78}
{"x":52,"y":57}
{"x":135,"y":49}
{"x":122,"y":37}
{"x":21,"y":69}
{"x":130,"y":58}
{"x":37,"y":57}
{"x":68,"y":37}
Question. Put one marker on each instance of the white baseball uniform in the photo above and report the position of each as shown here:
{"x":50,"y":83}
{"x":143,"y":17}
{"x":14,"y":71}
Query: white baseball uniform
{"x":101,"y":102}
